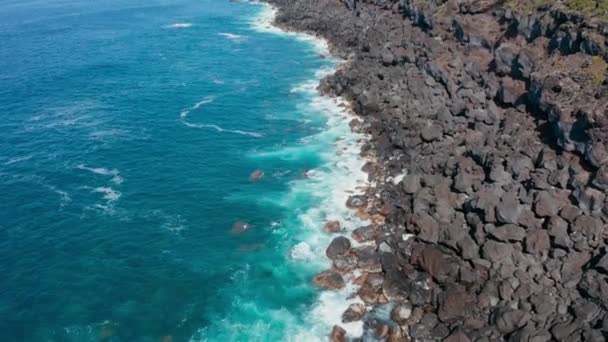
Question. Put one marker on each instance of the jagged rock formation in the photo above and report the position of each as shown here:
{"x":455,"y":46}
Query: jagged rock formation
{"x":498,"y":119}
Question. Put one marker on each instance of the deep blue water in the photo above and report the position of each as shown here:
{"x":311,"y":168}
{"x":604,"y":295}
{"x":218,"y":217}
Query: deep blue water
{"x":128,"y":131}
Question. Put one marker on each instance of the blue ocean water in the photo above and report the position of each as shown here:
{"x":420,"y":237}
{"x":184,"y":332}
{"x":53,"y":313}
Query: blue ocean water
{"x":129,"y":130}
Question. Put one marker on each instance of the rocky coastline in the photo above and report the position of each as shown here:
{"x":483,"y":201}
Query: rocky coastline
{"x":488,"y":166}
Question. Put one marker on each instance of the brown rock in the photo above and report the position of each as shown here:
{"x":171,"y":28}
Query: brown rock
{"x":329,"y":280}
{"x":338,"y":247}
{"x":338,"y":334}
{"x":454,"y":304}
{"x":457,"y":336}
{"x":545,"y":205}
{"x":428,"y":228}
{"x":364,"y":234}
{"x":332,"y":226}
{"x":537,"y":241}
{"x":368,"y":259}
{"x":508,"y":232}
{"x":256,"y":175}
{"x":354,"y":313}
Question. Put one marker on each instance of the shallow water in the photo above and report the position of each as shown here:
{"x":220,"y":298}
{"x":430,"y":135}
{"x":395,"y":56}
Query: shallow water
{"x":129,"y":131}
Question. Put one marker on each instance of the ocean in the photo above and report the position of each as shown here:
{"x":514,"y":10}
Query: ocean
{"x":129,"y":131}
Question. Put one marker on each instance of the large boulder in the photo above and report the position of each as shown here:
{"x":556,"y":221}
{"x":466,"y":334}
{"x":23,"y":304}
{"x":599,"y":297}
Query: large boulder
{"x":338,"y":247}
{"x":329,"y":280}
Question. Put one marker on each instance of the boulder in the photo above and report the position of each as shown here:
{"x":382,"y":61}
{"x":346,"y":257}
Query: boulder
{"x":509,"y":209}
{"x":545,"y":205}
{"x":338,"y":334}
{"x":354,"y":313}
{"x":537,"y":242}
{"x":338,"y":247}
{"x":256,"y":175}
{"x":356,"y":201}
{"x":508,"y":232}
{"x":329,"y":280}
{"x":364,"y":234}
{"x":332,"y":226}
{"x":508,"y":320}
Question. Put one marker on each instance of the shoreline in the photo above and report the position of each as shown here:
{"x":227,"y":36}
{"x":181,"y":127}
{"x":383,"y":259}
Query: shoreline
{"x":331,"y":303}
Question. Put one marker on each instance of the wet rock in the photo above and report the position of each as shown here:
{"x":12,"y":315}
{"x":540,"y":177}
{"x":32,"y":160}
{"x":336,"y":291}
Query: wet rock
{"x":256,"y":175}
{"x":364,"y":234}
{"x":356,"y":201}
{"x":240,"y":227}
{"x":332,"y":226}
{"x":329,"y":280}
{"x":338,"y":247}
{"x":338,"y":334}
{"x":354,"y":313}
{"x":396,"y":286}
{"x":368,"y":260}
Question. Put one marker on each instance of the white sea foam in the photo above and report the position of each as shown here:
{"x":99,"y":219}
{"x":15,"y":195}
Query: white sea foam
{"x":332,"y":183}
{"x":329,"y":308}
{"x":264,"y":22}
{"x":223,"y":130}
{"x":208,"y":99}
{"x":116,"y":178}
{"x":109,"y":194}
{"x":179,"y":25}
{"x":302,"y":251}
{"x":232,"y":36}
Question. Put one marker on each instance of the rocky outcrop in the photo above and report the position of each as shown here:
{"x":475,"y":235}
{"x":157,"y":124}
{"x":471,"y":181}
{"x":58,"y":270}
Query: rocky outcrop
{"x":497,"y":118}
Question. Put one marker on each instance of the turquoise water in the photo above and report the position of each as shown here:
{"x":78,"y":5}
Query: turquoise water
{"x":129,"y":131}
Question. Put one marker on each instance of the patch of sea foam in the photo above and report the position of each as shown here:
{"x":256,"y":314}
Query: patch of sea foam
{"x":109,"y":194}
{"x":209,"y":99}
{"x":178,"y":25}
{"x":264,"y":23}
{"x":224,"y":130}
{"x":116,"y":178}
{"x":232,"y":36}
